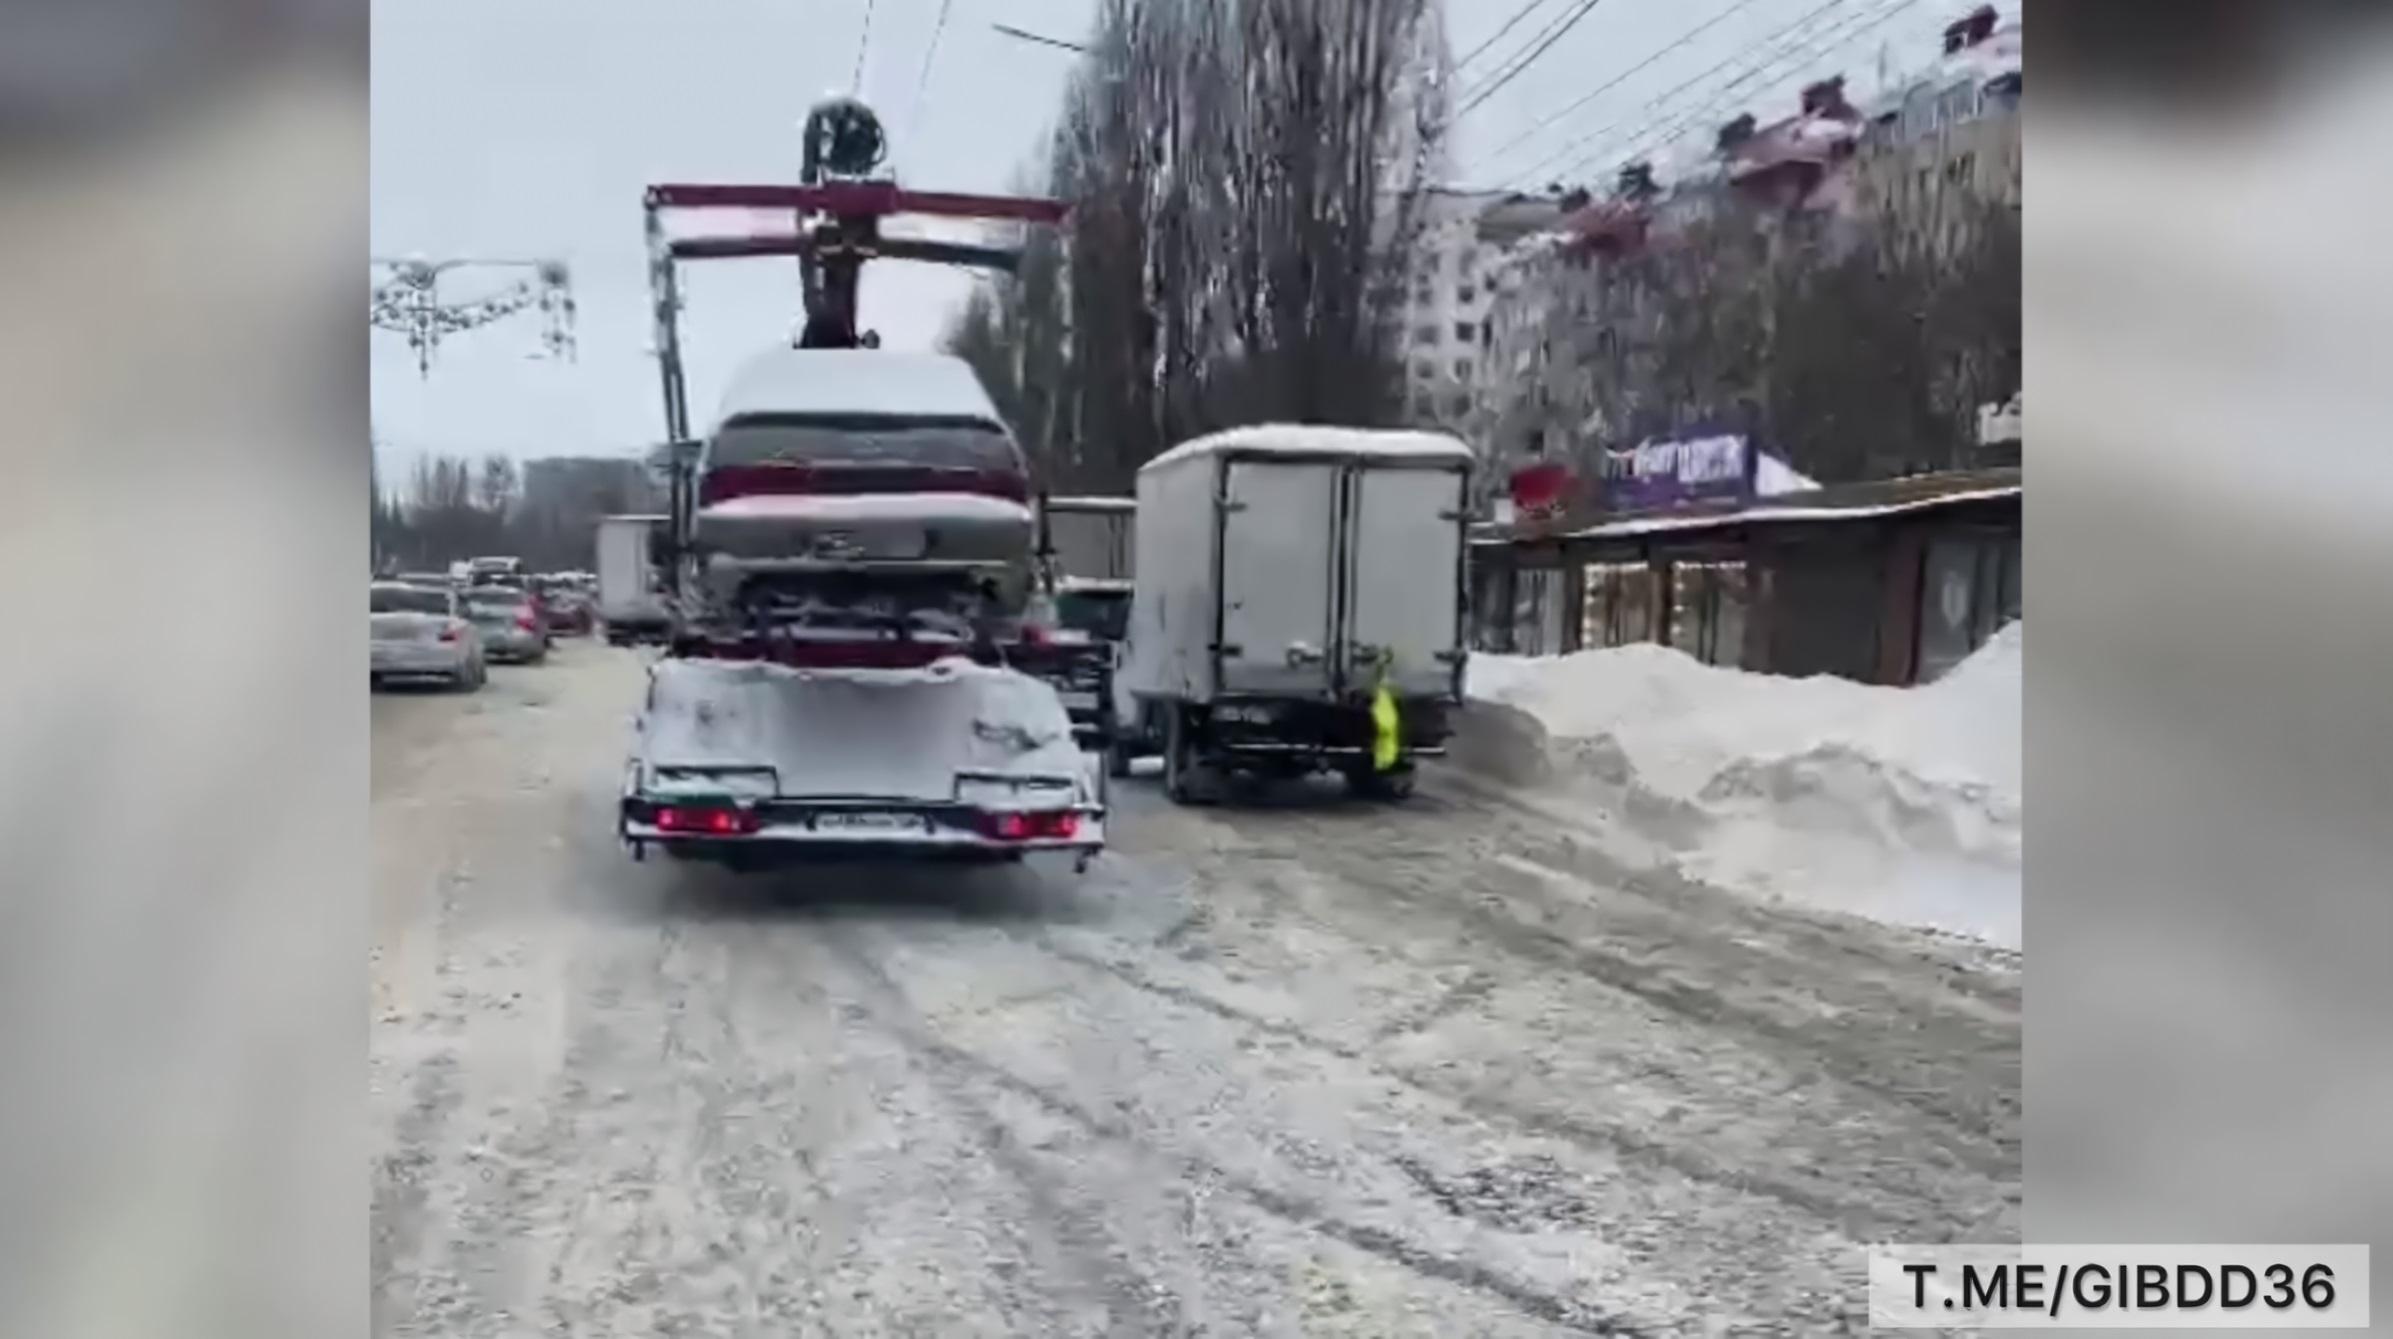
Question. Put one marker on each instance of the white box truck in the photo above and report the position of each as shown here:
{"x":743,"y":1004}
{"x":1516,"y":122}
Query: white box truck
{"x":1284,"y":575}
{"x":631,"y":603}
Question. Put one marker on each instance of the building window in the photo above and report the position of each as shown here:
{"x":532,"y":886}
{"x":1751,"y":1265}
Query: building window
{"x":1537,"y":612}
{"x":1616,"y":606}
{"x":1466,"y":294}
{"x":1462,"y":369}
{"x":1707,"y":611}
{"x":1424,"y":371}
{"x":1956,"y":105}
{"x":1462,"y":331}
{"x":1487,"y":334}
{"x":1969,"y":587}
{"x":1426,"y":334}
{"x":1961,"y":168}
{"x":1460,"y":405}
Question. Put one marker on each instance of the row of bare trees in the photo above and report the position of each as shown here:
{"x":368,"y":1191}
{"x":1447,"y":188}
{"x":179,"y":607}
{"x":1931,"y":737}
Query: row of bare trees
{"x":452,"y":507}
{"x":1245,"y":179}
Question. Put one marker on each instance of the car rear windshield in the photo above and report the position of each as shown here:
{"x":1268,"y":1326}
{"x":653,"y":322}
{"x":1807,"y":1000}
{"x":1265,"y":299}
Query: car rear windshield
{"x":865,"y":439}
{"x":1099,"y":615}
{"x":409,"y":600}
{"x":496,"y":603}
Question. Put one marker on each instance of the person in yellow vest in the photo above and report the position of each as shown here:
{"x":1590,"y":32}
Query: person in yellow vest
{"x":1387,"y":727}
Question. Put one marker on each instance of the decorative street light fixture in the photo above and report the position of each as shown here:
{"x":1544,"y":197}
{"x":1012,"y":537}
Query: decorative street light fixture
{"x":406,"y":300}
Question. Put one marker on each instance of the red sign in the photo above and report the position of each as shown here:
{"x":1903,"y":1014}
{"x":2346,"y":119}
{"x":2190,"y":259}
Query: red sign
{"x":1541,"y":487}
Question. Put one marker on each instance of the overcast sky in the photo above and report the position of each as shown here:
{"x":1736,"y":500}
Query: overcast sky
{"x":524,"y":128}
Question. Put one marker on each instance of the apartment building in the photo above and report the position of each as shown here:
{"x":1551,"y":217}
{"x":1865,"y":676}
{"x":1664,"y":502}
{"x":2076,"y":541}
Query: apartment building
{"x":1593,"y":318}
{"x":1441,"y":338}
{"x":1950,"y":133}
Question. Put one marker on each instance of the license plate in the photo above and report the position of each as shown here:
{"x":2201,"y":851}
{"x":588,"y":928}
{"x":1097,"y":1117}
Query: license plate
{"x":867,"y":821}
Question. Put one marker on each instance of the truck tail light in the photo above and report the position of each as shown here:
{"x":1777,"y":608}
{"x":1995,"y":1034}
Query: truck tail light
{"x":1044,"y":825}
{"x":708,"y":821}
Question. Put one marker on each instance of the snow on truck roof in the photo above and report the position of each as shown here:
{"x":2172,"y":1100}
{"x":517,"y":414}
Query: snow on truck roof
{"x":857,"y":381}
{"x":1312,"y":439}
{"x":1093,"y":504}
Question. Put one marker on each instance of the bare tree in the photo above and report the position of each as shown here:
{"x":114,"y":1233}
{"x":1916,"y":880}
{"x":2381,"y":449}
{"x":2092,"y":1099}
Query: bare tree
{"x":1244,"y":177}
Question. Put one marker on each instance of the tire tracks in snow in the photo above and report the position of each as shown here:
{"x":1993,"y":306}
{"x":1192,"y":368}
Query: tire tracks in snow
{"x":1359,"y":853}
{"x":902,"y":1020}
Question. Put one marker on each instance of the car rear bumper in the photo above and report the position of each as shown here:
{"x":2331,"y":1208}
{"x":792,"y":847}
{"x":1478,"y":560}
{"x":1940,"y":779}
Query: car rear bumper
{"x":418,"y":658}
{"x":860,"y":828}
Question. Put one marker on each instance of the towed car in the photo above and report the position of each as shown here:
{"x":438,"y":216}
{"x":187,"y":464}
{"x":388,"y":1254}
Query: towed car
{"x":422,"y":632}
{"x":509,"y":623}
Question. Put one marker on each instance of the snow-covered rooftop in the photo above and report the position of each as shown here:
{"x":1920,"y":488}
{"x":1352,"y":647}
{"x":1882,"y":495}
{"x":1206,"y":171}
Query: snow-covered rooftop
{"x":1312,"y":439}
{"x":856,"y":381}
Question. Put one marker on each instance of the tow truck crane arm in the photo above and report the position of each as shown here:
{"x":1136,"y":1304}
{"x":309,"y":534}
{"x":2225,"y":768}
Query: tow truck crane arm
{"x":837,"y":213}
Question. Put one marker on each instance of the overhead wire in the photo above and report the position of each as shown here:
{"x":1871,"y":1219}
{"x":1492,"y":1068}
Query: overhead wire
{"x":922,"y":84}
{"x":1669,"y":130}
{"x":1538,"y":168}
{"x":1616,"y":80}
{"x":863,"y":44}
{"x":1509,"y":24}
{"x":1521,"y":63}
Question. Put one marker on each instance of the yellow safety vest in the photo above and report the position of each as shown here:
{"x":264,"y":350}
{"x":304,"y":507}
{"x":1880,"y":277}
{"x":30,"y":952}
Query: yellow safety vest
{"x":1387,"y":733}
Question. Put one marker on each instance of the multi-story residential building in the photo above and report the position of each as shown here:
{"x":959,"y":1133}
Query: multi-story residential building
{"x":1949,"y":134}
{"x":1445,"y":305}
{"x":1593,"y":319}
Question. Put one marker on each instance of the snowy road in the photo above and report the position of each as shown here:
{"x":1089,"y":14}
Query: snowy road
{"x":1313,"y":1068}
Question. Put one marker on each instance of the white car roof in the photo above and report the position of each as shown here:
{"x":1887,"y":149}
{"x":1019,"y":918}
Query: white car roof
{"x":1314,"y":439}
{"x":857,"y":381}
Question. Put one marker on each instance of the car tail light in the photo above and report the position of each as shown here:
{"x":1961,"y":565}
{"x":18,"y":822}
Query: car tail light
{"x":528,"y":621}
{"x":707,"y":821}
{"x":1045,"y":825}
{"x":451,"y":632}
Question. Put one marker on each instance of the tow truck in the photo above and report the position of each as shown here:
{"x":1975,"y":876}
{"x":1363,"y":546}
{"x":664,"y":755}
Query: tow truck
{"x":852,"y":550}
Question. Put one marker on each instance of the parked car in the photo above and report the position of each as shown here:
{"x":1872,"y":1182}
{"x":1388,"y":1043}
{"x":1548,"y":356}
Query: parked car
{"x":509,"y":622}
{"x":565,"y":606}
{"x":423,"y":631}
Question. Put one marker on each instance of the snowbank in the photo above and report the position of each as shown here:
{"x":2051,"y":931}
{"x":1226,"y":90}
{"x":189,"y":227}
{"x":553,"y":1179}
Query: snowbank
{"x":1898,"y":803}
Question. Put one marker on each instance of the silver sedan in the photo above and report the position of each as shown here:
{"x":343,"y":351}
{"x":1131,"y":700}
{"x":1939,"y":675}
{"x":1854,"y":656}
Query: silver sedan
{"x":419,"y":631}
{"x":508,"y":622}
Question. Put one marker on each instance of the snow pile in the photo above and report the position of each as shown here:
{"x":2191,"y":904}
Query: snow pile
{"x":1898,"y":803}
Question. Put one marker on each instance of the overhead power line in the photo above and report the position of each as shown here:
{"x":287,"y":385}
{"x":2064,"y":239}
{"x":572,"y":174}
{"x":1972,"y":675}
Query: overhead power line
{"x":1673,"y":129}
{"x":1530,"y":58}
{"x":922,"y":84}
{"x":1553,"y":34}
{"x":1539,"y":168}
{"x":1509,"y":24}
{"x":1616,"y":80}
{"x":1035,"y":37}
{"x":863,"y":44}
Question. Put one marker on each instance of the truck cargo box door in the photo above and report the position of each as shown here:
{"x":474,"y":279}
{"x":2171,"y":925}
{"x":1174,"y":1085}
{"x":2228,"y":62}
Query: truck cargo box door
{"x":1404,"y":596}
{"x":1278,"y":564}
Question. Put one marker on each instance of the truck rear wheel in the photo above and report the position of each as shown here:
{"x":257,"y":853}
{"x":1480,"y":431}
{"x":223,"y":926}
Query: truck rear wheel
{"x":1184,"y":779}
{"x":1367,"y":782}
